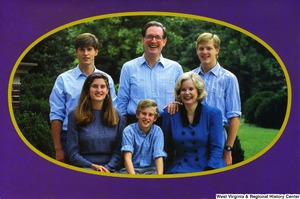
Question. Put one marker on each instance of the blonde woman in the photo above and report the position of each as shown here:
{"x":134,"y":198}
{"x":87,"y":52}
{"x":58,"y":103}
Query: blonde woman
{"x":193,"y":135}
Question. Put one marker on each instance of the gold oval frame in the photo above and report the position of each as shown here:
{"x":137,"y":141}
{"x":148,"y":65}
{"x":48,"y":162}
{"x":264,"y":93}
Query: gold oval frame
{"x":168,"y":14}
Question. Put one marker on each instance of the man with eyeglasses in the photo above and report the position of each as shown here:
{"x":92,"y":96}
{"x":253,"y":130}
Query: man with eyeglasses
{"x":150,"y":76}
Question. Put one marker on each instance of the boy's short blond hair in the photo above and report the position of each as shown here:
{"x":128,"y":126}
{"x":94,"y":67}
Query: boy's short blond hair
{"x":146,"y":104}
{"x":205,"y":37}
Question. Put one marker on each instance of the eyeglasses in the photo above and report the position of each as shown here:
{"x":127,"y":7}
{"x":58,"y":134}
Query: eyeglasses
{"x":151,"y":37}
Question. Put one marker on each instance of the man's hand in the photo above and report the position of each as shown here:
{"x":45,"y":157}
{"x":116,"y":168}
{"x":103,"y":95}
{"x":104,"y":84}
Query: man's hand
{"x":227,"y":157}
{"x":60,"y":155}
{"x":173,"y":107}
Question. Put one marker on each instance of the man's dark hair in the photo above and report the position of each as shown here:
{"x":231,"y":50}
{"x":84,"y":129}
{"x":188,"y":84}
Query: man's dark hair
{"x":154,"y":23}
{"x":86,"y":40}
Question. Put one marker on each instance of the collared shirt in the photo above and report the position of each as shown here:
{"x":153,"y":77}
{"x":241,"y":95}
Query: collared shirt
{"x":145,"y":148}
{"x":66,"y":91}
{"x":222,"y":91}
{"x":139,"y":81}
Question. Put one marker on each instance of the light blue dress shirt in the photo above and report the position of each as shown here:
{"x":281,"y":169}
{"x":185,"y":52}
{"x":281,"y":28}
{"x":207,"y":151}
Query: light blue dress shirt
{"x":66,"y":91}
{"x":145,"y":148}
{"x":139,"y":81}
{"x":222,"y":91}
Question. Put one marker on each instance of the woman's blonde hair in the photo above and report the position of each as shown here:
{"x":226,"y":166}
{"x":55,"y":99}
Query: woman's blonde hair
{"x":198,"y":82}
{"x":84,"y":109}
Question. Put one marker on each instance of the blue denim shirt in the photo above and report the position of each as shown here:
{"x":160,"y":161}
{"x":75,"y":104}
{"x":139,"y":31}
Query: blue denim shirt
{"x":139,"y":81}
{"x":66,"y":91}
{"x":145,"y":148}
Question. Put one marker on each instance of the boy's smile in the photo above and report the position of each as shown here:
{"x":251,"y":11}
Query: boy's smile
{"x":146,"y":118}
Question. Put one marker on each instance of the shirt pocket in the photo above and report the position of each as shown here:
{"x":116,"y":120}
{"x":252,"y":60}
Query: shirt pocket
{"x":137,"y":86}
{"x":168,"y":89}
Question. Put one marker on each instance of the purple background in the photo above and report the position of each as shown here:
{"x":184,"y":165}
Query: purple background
{"x":24,"y":174}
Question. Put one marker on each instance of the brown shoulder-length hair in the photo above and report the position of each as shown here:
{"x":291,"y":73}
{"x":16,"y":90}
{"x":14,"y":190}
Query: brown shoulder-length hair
{"x":84,"y":109}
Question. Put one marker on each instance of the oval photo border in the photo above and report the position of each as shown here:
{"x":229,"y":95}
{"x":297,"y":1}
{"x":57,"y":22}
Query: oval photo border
{"x":168,"y":14}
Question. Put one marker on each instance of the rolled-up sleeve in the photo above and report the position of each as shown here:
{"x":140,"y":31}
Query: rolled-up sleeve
{"x":57,"y":101}
{"x":127,"y":140}
{"x":232,"y":99}
{"x":159,"y":145}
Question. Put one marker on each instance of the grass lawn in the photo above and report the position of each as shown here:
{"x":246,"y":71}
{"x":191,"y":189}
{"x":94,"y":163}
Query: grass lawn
{"x":255,"y":139}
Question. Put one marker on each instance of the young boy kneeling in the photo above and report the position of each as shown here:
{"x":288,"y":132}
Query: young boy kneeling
{"x":143,"y":142}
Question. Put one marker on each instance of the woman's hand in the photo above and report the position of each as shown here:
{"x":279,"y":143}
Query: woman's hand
{"x":100,"y":168}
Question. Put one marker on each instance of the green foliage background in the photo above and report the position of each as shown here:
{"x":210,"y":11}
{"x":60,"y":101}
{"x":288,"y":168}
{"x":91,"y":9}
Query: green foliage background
{"x":120,"y":37}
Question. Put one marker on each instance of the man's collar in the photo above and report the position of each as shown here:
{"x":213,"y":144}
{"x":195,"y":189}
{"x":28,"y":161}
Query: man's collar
{"x":161,"y":60}
{"x":79,"y":73}
{"x":214,"y":70}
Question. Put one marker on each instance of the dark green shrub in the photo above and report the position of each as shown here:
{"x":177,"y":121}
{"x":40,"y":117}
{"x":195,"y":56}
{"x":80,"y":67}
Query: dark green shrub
{"x":36,"y":131}
{"x":252,"y":103}
{"x":271,"y":111}
{"x":33,"y":116}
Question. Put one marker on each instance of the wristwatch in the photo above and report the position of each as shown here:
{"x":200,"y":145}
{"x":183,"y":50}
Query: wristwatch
{"x":228,"y":148}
